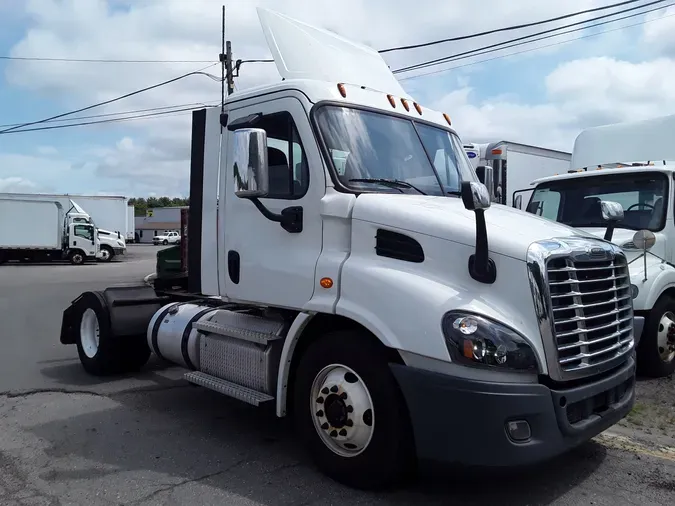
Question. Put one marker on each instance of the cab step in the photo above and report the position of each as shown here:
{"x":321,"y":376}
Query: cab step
{"x":228,"y":388}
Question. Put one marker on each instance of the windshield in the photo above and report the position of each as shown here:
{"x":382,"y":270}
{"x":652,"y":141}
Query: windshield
{"x":369,"y":145}
{"x":576,"y":202}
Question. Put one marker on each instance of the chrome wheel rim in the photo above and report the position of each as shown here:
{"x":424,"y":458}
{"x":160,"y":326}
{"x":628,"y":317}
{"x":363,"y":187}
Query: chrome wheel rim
{"x":342,"y":410}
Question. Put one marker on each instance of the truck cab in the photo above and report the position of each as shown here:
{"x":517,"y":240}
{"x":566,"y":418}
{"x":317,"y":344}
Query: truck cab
{"x":611,"y":164}
{"x":346,"y":267}
{"x":110,"y":243}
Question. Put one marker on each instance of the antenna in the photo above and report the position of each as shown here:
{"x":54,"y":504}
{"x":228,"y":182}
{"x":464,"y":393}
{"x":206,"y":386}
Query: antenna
{"x":223,"y":61}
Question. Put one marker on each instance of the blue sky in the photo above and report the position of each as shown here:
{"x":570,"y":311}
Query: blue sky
{"x":541,"y":97}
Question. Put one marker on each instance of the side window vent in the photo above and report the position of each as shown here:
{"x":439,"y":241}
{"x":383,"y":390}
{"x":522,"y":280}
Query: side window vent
{"x":401,"y":247}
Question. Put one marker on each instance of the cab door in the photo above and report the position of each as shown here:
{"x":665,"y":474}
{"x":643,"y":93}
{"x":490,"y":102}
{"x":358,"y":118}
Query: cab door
{"x":83,"y":237}
{"x":263,"y":262}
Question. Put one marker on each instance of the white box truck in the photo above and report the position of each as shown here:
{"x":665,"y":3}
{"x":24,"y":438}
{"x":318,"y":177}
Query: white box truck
{"x":603,"y":171}
{"x":386,"y":307}
{"x":107,"y":210}
{"x":42,"y":231}
{"x":514,"y":166}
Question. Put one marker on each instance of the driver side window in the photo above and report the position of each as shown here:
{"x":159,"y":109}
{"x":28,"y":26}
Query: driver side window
{"x":288,"y":169}
{"x":84,"y":232}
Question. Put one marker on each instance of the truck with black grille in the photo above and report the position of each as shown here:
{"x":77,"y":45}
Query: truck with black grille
{"x":346,"y":268}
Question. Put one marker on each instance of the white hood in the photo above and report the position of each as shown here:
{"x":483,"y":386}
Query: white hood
{"x":510,"y":231}
{"x":302,"y":51}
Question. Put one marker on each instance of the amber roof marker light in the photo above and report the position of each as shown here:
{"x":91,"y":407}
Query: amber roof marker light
{"x":342,"y":90}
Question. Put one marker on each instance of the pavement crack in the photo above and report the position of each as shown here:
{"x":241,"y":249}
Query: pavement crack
{"x":199,"y":479}
{"x":14,"y":394}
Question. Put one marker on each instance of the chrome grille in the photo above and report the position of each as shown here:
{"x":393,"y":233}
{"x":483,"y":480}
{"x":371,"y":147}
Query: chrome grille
{"x":592,"y":310}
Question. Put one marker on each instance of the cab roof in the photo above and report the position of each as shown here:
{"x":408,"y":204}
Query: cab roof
{"x":666,"y":169}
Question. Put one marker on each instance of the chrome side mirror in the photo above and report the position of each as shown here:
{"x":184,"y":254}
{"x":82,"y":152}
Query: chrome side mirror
{"x":251,"y":171}
{"x":475,"y":196}
{"x":644,"y":239}
{"x":611,"y":211}
{"x":485,"y":175}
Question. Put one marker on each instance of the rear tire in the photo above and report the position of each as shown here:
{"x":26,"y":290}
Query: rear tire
{"x":364,"y":437}
{"x":656,"y":351}
{"x":100,"y":353}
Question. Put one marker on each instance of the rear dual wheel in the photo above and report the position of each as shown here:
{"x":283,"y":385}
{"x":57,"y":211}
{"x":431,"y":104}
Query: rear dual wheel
{"x":350,"y":413}
{"x":100,"y":353}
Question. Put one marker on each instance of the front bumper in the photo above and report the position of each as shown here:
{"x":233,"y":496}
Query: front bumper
{"x":462,"y":421}
{"x":120,"y":251}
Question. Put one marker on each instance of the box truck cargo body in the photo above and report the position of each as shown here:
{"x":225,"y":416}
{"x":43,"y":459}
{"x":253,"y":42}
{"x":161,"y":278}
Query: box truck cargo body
{"x":515,"y":166}
{"x":31,"y":225}
{"x":131,"y":223}
{"x":42,"y":231}
{"x":108,"y":212}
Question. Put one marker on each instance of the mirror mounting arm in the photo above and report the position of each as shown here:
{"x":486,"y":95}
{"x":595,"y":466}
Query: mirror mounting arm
{"x":481,"y":267}
{"x":290,"y":218}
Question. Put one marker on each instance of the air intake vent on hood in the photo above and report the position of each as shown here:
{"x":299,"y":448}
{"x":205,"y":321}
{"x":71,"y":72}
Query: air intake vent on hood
{"x":401,"y":247}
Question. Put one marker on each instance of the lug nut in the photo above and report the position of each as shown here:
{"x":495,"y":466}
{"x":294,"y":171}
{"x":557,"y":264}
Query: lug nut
{"x":333,"y":433}
{"x":319,"y":413}
{"x":325,"y":426}
{"x":350,"y":409}
{"x":343,"y":432}
{"x":343,"y":395}
{"x":320,"y":400}
{"x":325,"y":391}
{"x":333,"y":389}
{"x":349,"y":423}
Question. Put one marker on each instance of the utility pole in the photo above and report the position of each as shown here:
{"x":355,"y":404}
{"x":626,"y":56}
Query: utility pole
{"x":226,"y":73}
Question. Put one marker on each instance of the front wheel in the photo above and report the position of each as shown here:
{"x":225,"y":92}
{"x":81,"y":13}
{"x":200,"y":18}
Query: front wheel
{"x":165,"y":242}
{"x":656,"y":351}
{"x":350,"y":413}
{"x":107,"y":253}
{"x":76,"y":257}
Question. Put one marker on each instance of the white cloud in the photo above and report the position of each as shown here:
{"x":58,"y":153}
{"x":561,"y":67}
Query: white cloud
{"x":580,"y":94}
{"x":153,"y":154}
{"x":17,"y":185}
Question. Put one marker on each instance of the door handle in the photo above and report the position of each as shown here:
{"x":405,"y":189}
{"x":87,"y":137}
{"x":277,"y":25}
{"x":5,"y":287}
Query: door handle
{"x":74,"y":243}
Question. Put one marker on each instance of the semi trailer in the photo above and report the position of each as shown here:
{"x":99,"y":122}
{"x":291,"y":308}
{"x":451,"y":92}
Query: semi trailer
{"x":382,"y":305}
{"x":513,"y":166}
{"x":42,"y":231}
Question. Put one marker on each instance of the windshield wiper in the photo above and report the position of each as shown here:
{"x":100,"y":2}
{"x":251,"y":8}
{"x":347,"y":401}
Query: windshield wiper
{"x":395,"y":183}
{"x":454,"y":192}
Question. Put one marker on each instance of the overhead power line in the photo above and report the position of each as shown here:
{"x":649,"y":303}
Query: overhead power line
{"x":175,"y":112}
{"x":110,"y":114}
{"x":507,"y":28}
{"x":97,"y":60}
{"x":110,"y":101}
{"x":440,"y":71}
{"x":445,"y":59}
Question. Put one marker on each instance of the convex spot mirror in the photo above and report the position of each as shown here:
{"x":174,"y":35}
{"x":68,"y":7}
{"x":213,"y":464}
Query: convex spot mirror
{"x":611,"y":211}
{"x":251,"y":171}
{"x":644,"y":239}
{"x":475,"y":196}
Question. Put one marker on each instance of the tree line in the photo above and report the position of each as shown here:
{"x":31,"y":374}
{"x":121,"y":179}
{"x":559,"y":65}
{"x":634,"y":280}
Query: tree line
{"x":141,"y":205}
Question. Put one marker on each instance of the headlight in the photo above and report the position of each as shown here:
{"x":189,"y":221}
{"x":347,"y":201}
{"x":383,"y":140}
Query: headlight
{"x":476,"y":341}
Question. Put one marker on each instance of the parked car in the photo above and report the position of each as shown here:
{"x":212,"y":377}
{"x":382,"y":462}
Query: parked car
{"x":167,"y":238}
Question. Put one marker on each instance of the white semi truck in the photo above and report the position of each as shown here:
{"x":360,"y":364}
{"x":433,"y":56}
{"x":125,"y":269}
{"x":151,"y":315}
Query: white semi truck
{"x":514,"y":165}
{"x":602,"y":169}
{"x":42,"y":231}
{"x":382,"y":305}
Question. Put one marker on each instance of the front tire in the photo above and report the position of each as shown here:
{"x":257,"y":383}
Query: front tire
{"x":107,"y":253}
{"x":656,"y":351}
{"x":165,"y":242}
{"x":350,"y":413}
{"x":76,"y":257}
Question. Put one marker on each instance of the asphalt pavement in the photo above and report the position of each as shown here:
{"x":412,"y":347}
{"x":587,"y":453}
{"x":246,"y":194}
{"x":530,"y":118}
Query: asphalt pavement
{"x":152,"y":439}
